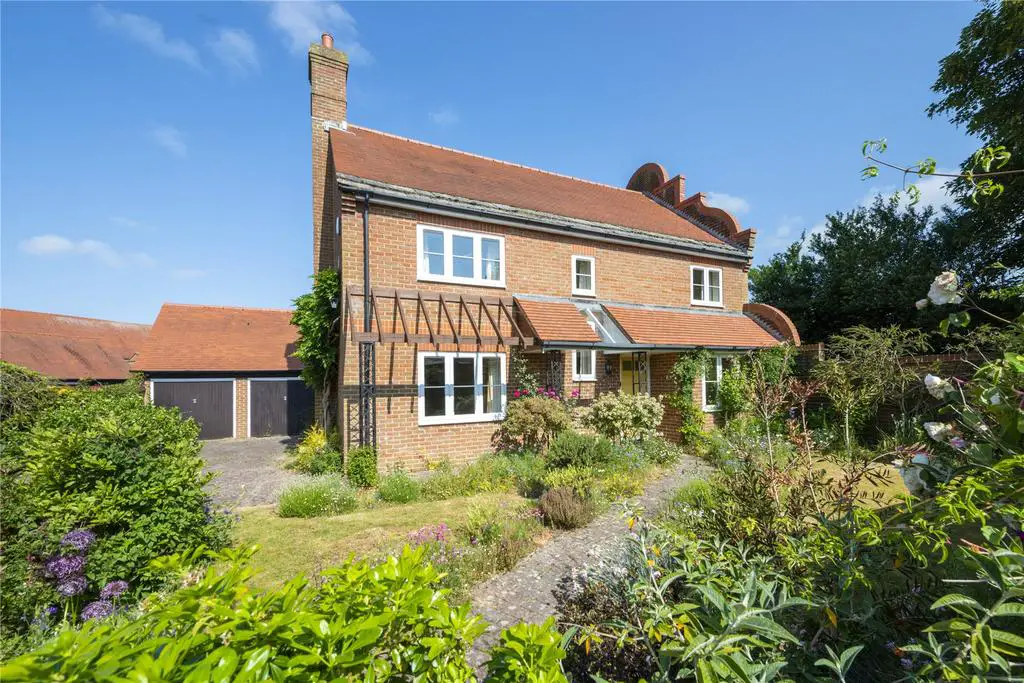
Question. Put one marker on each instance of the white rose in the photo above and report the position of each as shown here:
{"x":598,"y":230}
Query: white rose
{"x":944,"y":289}
{"x":921,"y":304}
{"x":937,"y":386}
{"x":938,"y":430}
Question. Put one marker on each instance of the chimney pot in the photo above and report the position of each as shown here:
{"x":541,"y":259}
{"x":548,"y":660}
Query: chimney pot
{"x":327,"y":40}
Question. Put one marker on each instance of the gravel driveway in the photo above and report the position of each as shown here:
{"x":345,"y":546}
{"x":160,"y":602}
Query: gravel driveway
{"x":249,"y":471}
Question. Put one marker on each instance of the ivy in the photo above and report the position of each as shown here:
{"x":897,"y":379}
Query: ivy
{"x":685,"y":371}
{"x":318,"y":318}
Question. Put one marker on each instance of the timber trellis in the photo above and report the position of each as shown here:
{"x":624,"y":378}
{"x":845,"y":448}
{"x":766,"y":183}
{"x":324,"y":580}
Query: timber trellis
{"x":485,"y":327}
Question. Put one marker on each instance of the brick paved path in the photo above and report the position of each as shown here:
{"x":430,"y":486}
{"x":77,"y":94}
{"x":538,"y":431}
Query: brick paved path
{"x":526,"y":592}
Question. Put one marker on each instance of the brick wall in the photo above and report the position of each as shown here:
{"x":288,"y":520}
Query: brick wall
{"x":328,"y":76}
{"x":241,"y":407}
{"x":535,"y":263}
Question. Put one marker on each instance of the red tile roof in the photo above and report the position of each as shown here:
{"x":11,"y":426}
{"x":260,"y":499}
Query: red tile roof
{"x":557,"y":321}
{"x":68,"y":347}
{"x":188,"y":338}
{"x":373,"y":155}
{"x":691,"y":329}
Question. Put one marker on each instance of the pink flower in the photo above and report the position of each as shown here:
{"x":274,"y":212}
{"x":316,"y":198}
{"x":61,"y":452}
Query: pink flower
{"x":575,"y":393}
{"x":516,"y":393}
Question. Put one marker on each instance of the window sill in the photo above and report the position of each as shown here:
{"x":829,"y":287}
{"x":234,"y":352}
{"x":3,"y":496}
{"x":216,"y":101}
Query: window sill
{"x":459,"y":419}
{"x":706,"y":304}
{"x":711,"y":409}
{"x":471,"y":282}
{"x":584,"y":378}
{"x":590,"y":293}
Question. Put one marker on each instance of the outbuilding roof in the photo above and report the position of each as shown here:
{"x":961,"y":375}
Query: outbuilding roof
{"x":69,"y":347}
{"x":213,"y":339}
{"x":371,"y":155}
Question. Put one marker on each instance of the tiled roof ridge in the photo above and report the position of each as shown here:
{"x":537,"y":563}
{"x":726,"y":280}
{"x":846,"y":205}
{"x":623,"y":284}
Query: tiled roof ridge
{"x":231,"y":308}
{"x":693,"y":219}
{"x":67,"y":315}
{"x":492,"y":159}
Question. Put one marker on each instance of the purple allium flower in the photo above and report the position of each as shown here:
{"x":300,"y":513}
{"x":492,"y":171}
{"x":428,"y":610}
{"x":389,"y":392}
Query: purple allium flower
{"x":113,"y":589}
{"x":99,"y":609}
{"x":62,"y":567}
{"x":907,"y":663}
{"x":958,"y":443}
{"x":52,"y":610}
{"x":73,"y":585}
{"x":79,"y":539}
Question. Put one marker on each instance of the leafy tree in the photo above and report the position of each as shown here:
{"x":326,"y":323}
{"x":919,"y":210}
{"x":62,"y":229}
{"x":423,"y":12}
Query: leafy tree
{"x":981,"y":87}
{"x":318,"y":317}
{"x":867,"y":268}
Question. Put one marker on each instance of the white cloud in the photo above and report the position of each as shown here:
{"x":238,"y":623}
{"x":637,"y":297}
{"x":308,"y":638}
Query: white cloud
{"x":236,"y":49}
{"x":149,"y":33}
{"x":303,"y":22}
{"x":56,"y":245}
{"x":188,"y":273}
{"x":734,"y":205}
{"x":171,"y":139}
{"x":445,"y":116}
{"x":934,"y":192}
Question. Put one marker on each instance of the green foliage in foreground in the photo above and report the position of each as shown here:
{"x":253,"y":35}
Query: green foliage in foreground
{"x":366,"y":622}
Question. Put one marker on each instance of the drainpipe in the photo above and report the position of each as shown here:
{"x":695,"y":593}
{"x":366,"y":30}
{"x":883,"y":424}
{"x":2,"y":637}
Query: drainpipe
{"x":367,"y":318}
{"x":367,"y":349}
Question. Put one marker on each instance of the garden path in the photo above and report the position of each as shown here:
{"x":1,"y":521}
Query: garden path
{"x":526,"y":592}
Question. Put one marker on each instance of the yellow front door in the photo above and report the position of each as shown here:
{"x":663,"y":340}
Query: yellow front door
{"x":633,"y":373}
{"x":626,"y":373}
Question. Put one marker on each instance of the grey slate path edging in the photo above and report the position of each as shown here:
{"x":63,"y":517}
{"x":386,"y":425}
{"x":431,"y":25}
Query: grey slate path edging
{"x":526,"y":592}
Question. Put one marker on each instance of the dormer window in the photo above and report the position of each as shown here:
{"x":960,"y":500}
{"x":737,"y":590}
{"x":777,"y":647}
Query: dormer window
{"x":459,"y":257}
{"x":584,"y":279}
{"x":705,"y":286}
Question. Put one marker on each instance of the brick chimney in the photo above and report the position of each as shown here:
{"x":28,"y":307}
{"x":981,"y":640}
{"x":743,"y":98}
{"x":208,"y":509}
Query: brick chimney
{"x":328,"y":77}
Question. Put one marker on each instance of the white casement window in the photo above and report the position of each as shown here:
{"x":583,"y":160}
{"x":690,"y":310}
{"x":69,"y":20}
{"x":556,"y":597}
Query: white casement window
{"x":583,"y":363}
{"x":457,"y":256}
{"x":584,"y":277}
{"x":705,"y":286}
{"x":461,"y":387}
{"x":712,"y":381}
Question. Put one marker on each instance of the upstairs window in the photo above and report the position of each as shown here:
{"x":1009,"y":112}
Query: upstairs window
{"x":461,"y":387}
{"x":584,"y":279}
{"x":457,"y":256}
{"x":705,"y":286}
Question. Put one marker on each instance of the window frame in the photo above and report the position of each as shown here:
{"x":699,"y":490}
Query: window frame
{"x":593,"y":276}
{"x":449,"y":416}
{"x":592,"y":377}
{"x":448,"y":275}
{"x":719,"y":372}
{"x":694,"y":301}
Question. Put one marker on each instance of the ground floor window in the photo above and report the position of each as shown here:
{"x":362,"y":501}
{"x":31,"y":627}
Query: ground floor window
{"x":712,"y":380}
{"x":583,"y":366}
{"x":461,"y":387}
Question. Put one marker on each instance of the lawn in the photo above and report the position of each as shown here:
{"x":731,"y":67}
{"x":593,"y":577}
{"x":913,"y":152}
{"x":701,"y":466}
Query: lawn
{"x":891,"y":488}
{"x":292,"y":546}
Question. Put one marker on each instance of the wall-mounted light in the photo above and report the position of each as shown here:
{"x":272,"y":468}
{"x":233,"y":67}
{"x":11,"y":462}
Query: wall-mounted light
{"x":607,"y":365}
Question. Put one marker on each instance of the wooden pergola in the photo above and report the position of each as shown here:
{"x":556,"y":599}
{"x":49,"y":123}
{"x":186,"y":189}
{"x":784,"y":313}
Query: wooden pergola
{"x":418,"y":317}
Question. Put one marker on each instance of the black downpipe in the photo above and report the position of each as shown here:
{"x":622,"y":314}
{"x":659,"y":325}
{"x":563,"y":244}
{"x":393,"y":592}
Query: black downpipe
{"x":367,"y":349}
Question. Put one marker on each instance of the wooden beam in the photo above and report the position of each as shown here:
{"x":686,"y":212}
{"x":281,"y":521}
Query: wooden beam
{"x":401,"y":314}
{"x":497,"y":328}
{"x":444,"y":307}
{"x":511,"y":320}
{"x":426,"y":317}
{"x":469,"y":316}
{"x":414,"y":294}
{"x":376,"y":313}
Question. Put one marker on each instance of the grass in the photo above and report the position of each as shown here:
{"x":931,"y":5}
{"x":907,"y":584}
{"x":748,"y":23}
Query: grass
{"x":892,"y":489}
{"x":308,"y":546}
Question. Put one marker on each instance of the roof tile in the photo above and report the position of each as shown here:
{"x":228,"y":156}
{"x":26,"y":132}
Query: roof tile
{"x":68,"y":347}
{"x":691,"y":329}
{"x":557,"y":321}
{"x":381,"y":157}
{"x":187,"y":338}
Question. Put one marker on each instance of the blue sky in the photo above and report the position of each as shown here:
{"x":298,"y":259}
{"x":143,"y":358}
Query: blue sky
{"x":159,"y":152}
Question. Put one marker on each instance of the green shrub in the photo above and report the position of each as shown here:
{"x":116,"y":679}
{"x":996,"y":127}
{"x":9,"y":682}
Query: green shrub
{"x":691,"y":421}
{"x":531,"y":422}
{"x":618,"y":485}
{"x":660,"y":451}
{"x":398,"y":487}
{"x":626,"y":416}
{"x":519,"y":472}
{"x":362,"y":467}
{"x":124,"y":476}
{"x":528,"y":652}
{"x":314,"y":454}
{"x":325,"y":495}
{"x":381,"y":622}
{"x":581,"y":480}
{"x":564,"y":509}
{"x":580,"y":450}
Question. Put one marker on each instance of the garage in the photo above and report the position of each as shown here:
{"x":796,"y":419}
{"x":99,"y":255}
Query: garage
{"x":279,"y":406}
{"x":210,"y":402}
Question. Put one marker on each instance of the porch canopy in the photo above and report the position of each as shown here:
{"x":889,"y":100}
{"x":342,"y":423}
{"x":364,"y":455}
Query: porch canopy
{"x":619,"y":328}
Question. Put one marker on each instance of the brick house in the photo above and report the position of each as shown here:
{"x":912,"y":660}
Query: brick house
{"x":600,"y":287}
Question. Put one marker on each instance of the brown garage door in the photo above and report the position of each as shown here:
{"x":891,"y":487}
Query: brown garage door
{"x":279,"y":407}
{"x":209,"y":402}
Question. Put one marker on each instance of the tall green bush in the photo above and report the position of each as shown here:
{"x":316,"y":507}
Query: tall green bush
{"x":361,"y":467}
{"x":629,"y":417}
{"x":531,"y":422}
{"x":571,"y":448}
{"x":318,"y":319}
{"x":97,"y":486}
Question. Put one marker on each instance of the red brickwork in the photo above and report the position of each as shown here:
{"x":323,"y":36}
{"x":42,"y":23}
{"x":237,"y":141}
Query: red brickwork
{"x":241,"y":407}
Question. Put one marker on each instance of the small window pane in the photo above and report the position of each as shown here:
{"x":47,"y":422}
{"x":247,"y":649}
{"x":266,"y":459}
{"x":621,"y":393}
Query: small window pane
{"x":583,"y":282}
{"x":465,"y":371}
{"x":698,"y":284}
{"x":465,"y":385}
{"x":714,"y":286}
{"x":433,"y":252}
{"x":433,"y":401}
{"x":584,"y":363}
{"x":583,"y":267}
{"x":492,"y":385}
{"x":462,"y":246}
{"x":491,"y":270}
{"x":433,"y":372}
{"x":490,"y":250}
